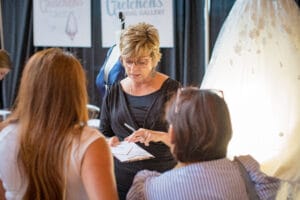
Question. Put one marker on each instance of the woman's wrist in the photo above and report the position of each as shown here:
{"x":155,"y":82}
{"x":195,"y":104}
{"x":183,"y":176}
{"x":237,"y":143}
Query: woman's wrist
{"x":146,"y":136}
{"x":160,"y":136}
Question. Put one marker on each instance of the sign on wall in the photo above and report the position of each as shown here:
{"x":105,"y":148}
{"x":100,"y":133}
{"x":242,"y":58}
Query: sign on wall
{"x":62,"y":23}
{"x":156,"y":12}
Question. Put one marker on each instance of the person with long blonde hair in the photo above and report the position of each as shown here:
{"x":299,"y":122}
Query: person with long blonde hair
{"x":47,"y":150}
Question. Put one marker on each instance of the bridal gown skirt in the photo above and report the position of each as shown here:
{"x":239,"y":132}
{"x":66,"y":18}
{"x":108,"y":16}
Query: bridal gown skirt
{"x":256,"y":62}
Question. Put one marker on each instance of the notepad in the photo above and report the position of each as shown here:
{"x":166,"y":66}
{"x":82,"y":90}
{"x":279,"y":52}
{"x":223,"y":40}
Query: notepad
{"x":130,"y":152}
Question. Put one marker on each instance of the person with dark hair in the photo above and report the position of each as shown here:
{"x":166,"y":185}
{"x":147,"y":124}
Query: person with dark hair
{"x":139,"y":100}
{"x":47,"y":150}
{"x":5,"y":63}
{"x":5,"y":68}
{"x":199,"y":133}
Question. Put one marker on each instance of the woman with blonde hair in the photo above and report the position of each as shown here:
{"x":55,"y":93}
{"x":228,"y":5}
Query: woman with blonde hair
{"x":47,"y":150}
{"x":139,"y":100}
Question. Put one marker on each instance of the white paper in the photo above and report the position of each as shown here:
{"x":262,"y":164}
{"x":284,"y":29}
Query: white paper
{"x":129,"y":151}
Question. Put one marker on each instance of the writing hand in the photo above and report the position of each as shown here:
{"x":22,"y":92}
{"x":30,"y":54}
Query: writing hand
{"x":141,"y":135}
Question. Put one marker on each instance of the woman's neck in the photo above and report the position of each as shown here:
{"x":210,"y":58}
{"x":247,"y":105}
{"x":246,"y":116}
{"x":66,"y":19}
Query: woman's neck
{"x":182,"y":164}
{"x":148,"y":86}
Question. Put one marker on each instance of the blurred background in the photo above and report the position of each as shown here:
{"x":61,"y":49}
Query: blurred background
{"x":196,"y":26}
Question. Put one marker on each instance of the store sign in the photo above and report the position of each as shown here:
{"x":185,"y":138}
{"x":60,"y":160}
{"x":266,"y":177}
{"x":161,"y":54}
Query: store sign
{"x":156,"y":12}
{"x":63,"y":23}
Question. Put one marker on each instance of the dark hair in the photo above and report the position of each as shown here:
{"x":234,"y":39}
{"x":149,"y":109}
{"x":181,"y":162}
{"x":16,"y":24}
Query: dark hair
{"x":5,"y":61}
{"x":201,"y":125}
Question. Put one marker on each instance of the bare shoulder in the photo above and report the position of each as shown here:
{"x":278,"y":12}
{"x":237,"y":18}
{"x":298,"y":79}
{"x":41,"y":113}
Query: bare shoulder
{"x":162,"y":76}
{"x":91,"y":131}
{"x":97,"y":171}
{"x":99,"y":148}
{"x":125,"y":80}
{"x":160,"y":79}
{"x":125,"y":84}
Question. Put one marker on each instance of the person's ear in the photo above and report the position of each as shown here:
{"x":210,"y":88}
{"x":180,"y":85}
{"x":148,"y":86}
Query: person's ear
{"x":171,"y":134}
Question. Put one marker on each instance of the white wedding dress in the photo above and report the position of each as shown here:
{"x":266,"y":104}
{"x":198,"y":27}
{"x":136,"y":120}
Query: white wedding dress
{"x":256,"y":62}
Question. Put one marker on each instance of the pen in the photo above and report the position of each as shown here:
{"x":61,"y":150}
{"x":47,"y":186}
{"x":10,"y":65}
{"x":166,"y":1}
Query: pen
{"x":129,"y":127}
{"x":129,"y":150}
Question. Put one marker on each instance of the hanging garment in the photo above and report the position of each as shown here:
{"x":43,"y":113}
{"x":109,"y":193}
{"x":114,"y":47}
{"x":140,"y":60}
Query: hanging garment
{"x":256,"y":62}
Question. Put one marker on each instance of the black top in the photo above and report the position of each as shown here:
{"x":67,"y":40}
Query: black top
{"x":119,"y":108}
{"x":140,"y":105}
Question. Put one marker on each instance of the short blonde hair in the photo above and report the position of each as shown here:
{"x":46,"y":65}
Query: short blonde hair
{"x":139,"y":40}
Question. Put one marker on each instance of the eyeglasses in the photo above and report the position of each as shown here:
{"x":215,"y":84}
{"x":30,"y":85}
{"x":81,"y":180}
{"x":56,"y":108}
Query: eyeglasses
{"x":140,"y":62}
{"x":214,"y":91}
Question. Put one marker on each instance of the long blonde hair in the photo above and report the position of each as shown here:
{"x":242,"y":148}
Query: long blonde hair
{"x":51,"y":111}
